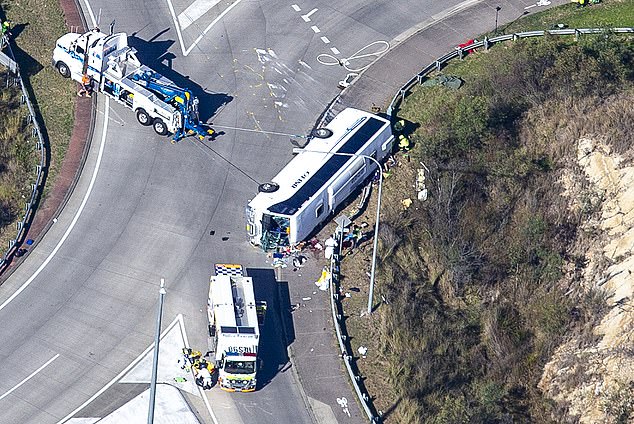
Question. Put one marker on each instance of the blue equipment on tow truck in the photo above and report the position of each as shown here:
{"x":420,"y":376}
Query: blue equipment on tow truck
{"x":180,"y":98}
{"x":115,"y":71}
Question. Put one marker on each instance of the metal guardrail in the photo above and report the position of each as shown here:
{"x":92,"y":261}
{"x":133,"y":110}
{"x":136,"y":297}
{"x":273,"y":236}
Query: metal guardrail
{"x":342,"y":337}
{"x":37,"y":186}
{"x":461,"y":52}
{"x":336,"y":306}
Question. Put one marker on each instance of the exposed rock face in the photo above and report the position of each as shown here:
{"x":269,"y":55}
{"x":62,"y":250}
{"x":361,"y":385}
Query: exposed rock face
{"x":594,"y":377}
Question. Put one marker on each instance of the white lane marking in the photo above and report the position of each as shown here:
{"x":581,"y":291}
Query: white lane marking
{"x":306,"y":17}
{"x":75,"y":218}
{"x":195,"y":11}
{"x":205,"y":31}
{"x":325,"y":40}
{"x":334,"y":50}
{"x":92,"y":15}
{"x":434,"y":20}
{"x":296,"y":8}
{"x":178,"y":27}
{"x":314,"y":28}
{"x":122,"y":373}
{"x":33,"y":374}
{"x":181,"y":323}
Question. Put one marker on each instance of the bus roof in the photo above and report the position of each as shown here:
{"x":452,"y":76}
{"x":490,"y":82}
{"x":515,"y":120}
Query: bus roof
{"x":307,"y":173}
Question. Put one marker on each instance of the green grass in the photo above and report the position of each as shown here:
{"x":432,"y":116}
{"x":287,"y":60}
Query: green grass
{"x":471,"y":277}
{"x":18,"y":158}
{"x":37,"y":25}
{"x":54,"y":95}
{"x":609,"y":13}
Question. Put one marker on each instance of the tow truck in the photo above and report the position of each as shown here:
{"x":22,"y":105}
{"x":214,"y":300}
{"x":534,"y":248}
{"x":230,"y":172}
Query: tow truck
{"x":117,"y":72}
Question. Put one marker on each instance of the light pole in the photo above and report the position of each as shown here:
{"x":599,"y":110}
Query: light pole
{"x":497,"y":11}
{"x":378,"y":212}
{"x":157,"y":339}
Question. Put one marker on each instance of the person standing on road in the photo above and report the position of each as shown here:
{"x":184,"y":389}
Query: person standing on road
{"x":86,"y":86}
{"x":5,"y":30}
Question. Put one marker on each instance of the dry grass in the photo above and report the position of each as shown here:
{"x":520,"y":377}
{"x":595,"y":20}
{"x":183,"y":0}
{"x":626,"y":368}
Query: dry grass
{"x":37,"y":24}
{"x":472,"y":279}
{"x":43,"y":22}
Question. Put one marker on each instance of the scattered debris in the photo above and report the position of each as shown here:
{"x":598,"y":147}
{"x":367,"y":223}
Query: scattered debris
{"x":449,"y":81}
{"x":299,"y":261}
{"x":363,"y":351}
{"x":406,"y":203}
{"x":324,"y":280}
{"x":305,"y":299}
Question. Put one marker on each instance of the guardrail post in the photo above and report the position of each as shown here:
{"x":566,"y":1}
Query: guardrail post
{"x":438,"y":65}
{"x":577,"y":34}
{"x":419,"y":78}
{"x":461,"y":54}
{"x":486,"y":43}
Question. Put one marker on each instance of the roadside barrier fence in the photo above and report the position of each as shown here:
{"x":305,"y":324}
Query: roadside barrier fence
{"x":337,"y":308}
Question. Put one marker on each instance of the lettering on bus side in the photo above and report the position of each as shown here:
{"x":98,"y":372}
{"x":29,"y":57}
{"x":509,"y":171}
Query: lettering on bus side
{"x":300,"y":179}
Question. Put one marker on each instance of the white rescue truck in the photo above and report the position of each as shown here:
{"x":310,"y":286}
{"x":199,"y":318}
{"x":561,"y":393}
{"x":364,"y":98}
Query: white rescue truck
{"x":311,"y":186}
{"x":234,"y":327}
{"x":118,"y":73}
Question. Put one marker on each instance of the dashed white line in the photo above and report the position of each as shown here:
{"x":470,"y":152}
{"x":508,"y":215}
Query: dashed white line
{"x":296,"y":8}
{"x":314,"y":28}
{"x":325,"y":40}
{"x":306,"y":17}
{"x":33,"y":374}
{"x":334,"y":50}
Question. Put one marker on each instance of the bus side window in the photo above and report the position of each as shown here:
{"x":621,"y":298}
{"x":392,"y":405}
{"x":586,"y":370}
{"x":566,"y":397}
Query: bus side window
{"x":319,"y":210}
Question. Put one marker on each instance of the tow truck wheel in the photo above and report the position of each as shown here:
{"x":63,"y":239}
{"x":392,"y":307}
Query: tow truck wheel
{"x":268,"y":187}
{"x":63,"y":69}
{"x":143,"y":118}
{"x":160,"y":127}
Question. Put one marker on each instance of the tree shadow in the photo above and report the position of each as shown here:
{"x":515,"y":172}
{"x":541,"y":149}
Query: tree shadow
{"x":272,"y":350}
{"x":155,"y":54}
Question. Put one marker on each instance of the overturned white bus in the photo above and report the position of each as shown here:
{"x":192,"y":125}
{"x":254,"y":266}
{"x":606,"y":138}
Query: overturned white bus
{"x":312,"y":185}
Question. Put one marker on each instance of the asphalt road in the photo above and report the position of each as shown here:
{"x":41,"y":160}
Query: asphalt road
{"x":145,"y":209}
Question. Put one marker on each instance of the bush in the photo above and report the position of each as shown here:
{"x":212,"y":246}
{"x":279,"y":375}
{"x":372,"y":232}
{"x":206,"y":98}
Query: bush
{"x":476,"y":301}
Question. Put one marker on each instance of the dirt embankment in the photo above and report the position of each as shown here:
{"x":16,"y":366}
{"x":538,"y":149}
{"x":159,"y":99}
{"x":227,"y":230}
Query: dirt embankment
{"x":592,"y":375}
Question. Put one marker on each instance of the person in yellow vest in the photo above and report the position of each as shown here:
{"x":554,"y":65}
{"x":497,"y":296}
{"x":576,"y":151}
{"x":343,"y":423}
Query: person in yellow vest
{"x":403,"y":143}
{"x":399,"y":126}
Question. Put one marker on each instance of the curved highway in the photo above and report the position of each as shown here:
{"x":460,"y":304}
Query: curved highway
{"x":82,"y":306}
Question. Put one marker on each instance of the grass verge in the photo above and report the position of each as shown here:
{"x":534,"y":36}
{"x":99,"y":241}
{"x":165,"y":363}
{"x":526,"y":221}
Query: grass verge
{"x":474,"y":283}
{"x":36,"y":26}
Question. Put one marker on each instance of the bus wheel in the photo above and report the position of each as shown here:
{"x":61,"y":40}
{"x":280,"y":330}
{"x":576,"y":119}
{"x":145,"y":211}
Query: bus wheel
{"x":143,"y":118}
{"x":268,"y":187}
{"x":321,"y":133}
{"x":160,"y":127}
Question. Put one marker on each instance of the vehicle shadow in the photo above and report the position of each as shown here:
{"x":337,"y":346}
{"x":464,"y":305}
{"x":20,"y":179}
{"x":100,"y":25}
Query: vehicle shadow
{"x":155,"y":54}
{"x":277,"y":332}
